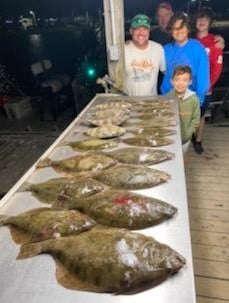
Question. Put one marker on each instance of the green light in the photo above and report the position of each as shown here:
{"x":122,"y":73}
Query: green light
{"x":91,"y":72}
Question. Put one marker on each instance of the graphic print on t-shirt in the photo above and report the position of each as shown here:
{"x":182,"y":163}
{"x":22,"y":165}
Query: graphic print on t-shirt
{"x":142,"y":69}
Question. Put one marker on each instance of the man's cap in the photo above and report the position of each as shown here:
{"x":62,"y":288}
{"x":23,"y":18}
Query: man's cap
{"x":165,"y":5}
{"x":140,"y":20}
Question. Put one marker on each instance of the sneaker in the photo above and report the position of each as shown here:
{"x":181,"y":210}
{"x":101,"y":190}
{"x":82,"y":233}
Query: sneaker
{"x":198,"y":148}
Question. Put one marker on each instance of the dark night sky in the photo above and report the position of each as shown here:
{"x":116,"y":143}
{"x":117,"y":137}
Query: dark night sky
{"x":46,"y":8}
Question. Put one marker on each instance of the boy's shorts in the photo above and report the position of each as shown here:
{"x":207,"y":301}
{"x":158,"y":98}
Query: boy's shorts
{"x":205,"y":105}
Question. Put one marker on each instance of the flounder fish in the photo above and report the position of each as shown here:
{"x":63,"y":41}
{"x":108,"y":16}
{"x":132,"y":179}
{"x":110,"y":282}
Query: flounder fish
{"x":154,"y":131}
{"x":156,"y":122}
{"x":111,"y":260}
{"x":139,"y":155}
{"x":119,"y":208}
{"x":131,"y":177}
{"x":148,"y":141}
{"x":45,"y":223}
{"x":115,"y":120}
{"x":106,"y":131}
{"x":74,"y":187}
{"x":110,"y":112}
{"x":79,"y":163}
{"x":93,"y":144}
{"x":114,"y":104}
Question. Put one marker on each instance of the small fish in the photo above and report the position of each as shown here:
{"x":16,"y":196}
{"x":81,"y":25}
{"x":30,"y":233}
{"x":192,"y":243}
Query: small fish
{"x":115,"y":120}
{"x":93,"y":144}
{"x":111,"y":260}
{"x":74,"y":187}
{"x":106,"y":131}
{"x":45,"y":223}
{"x":156,"y":122}
{"x":79,"y":163}
{"x":139,"y":155}
{"x":119,"y":208}
{"x":148,"y":141}
{"x":110,"y":112}
{"x":131,"y":177}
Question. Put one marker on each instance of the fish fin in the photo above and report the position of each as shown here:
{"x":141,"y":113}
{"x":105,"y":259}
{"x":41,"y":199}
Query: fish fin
{"x":26,"y":186}
{"x":3,"y":219}
{"x":30,"y":250}
{"x":43,"y":163}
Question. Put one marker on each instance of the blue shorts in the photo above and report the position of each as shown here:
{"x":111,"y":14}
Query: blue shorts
{"x":205,"y":105}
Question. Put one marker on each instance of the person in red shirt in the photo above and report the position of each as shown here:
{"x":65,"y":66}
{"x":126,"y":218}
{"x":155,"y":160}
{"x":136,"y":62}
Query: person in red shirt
{"x":203,"y":22}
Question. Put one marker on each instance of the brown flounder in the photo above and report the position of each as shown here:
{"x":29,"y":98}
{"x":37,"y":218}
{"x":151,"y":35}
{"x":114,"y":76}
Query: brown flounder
{"x":119,"y":208}
{"x":74,"y":187}
{"x":79,"y":163}
{"x":154,"y":131}
{"x":93,"y":144}
{"x":140,"y":155}
{"x":111,"y":260}
{"x":154,"y":122}
{"x":148,"y":141}
{"x":106,"y":131}
{"x":131,"y":177}
{"x":44,"y":223}
{"x":114,"y":104}
{"x":114,"y":120}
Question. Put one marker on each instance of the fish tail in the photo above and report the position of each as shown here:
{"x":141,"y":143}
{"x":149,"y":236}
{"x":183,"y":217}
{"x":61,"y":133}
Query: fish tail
{"x":25,"y":187}
{"x":3,"y":220}
{"x":44,"y":163}
{"x":30,"y":250}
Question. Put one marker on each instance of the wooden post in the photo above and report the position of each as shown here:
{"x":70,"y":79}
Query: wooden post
{"x":114,"y":30}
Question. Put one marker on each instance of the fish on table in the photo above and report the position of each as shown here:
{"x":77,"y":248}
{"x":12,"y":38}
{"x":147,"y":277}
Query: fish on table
{"x":120,"y":208}
{"x":92,"y":144}
{"x":45,"y":223}
{"x":111,"y":260}
{"x":140,"y":155}
{"x":153,"y":131}
{"x":147,"y":141}
{"x":48,"y":191}
{"x":79,"y":163}
{"x":131,"y":177}
{"x":106,"y":131}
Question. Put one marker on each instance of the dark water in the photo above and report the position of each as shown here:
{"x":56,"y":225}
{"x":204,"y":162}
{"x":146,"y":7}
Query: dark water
{"x":66,"y":48}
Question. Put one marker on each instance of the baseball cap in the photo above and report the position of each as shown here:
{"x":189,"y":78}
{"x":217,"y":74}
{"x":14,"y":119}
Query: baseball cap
{"x":140,"y":20}
{"x":165,"y":5}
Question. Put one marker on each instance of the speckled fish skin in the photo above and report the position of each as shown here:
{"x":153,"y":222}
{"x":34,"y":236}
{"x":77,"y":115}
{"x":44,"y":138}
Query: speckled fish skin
{"x":45,"y":223}
{"x":112,"y":260}
{"x":80,"y":163}
{"x":140,"y":155}
{"x":156,"y":122}
{"x":148,"y":141}
{"x":115,"y":120}
{"x":93,"y":144}
{"x":110,"y":112}
{"x":131,"y":177}
{"x":154,"y":131}
{"x":114,"y":104}
{"x":119,"y":208}
{"x":75,"y":187}
{"x":106,"y":131}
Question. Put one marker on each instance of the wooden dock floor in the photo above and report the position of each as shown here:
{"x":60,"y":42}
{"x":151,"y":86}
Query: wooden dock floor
{"x":207,"y":181}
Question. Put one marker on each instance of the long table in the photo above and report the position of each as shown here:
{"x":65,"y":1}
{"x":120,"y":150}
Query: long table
{"x":33,"y":280}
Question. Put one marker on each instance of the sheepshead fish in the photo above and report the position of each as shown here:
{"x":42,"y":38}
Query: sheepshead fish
{"x":106,"y":131}
{"x":45,"y":223}
{"x":119,"y":208}
{"x":74,"y":187}
{"x":79,"y":163}
{"x":139,"y":155}
{"x":111,"y":260}
{"x":131,"y":177}
{"x":154,"y":132}
{"x":148,"y":141}
{"x":93,"y":144}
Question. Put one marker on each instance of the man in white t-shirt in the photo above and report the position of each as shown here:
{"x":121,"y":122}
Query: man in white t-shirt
{"x":143,"y":59}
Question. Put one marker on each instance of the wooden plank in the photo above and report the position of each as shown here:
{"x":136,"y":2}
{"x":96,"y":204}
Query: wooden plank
{"x":211,"y":269}
{"x":212,"y":288}
{"x":210,"y":238}
{"x":207,"y":202}
{"x":211,"y":253}
{"x":209,"y":214}
{"x":209,"y":300}
{"x":208,"y":225}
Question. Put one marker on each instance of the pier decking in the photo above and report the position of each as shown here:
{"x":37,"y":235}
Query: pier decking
{"x":208,"y":197}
